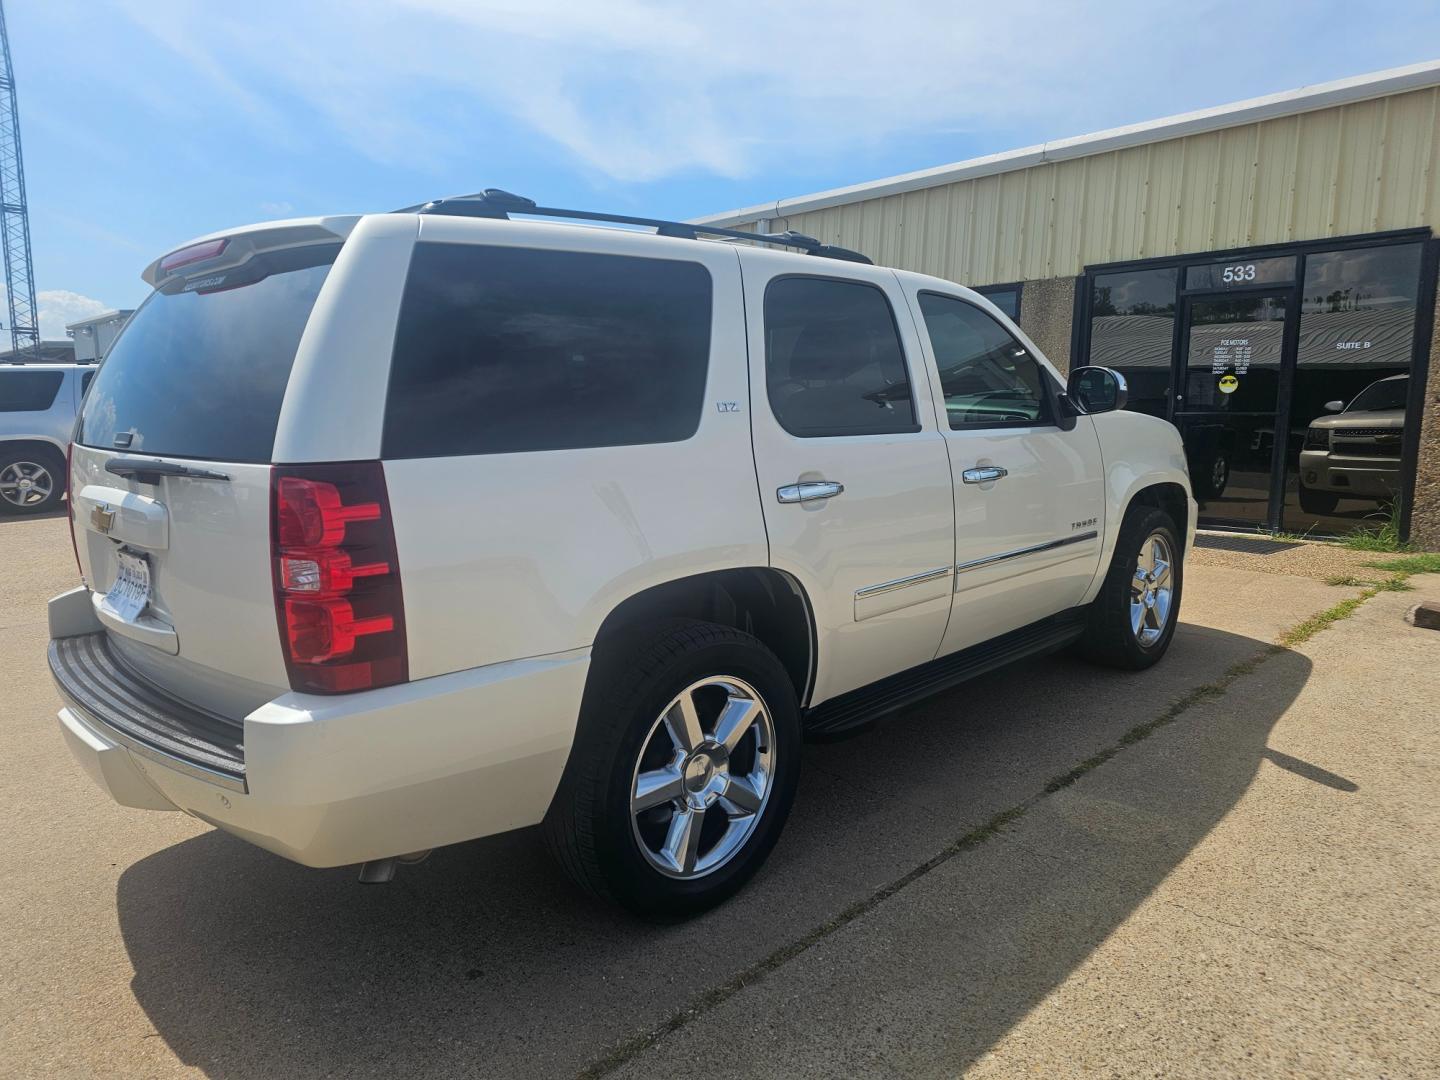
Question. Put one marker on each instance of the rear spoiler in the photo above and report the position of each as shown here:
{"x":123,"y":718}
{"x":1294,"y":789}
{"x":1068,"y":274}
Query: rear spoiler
{"x":241,"y":243}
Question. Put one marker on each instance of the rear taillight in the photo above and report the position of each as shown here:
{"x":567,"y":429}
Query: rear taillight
{"x":70,"y":509}
{"x":337,"y":580}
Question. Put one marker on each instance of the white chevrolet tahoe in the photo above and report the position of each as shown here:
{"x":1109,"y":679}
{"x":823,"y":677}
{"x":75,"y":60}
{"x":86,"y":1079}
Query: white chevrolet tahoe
{"x":403,"y":529}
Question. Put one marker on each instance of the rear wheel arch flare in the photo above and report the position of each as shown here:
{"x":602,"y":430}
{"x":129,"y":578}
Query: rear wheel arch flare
{"x":767,"y":603}
{"x":44,"y":447}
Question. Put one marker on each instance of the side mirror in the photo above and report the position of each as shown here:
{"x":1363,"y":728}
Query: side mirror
{"x":1334,"y":406}
{"x":1097,"y":389}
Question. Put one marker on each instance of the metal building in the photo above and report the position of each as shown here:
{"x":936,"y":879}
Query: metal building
{"x":1261,"y":268}
{"x":94,"y":336}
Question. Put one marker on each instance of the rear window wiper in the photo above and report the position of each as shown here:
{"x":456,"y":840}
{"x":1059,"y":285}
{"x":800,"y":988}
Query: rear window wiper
{"x":148,"y":471}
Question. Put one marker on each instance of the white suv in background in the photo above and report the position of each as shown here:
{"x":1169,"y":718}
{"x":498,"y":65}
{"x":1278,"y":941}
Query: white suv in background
{"x":38,"y":403}
{"x":405,"y":529}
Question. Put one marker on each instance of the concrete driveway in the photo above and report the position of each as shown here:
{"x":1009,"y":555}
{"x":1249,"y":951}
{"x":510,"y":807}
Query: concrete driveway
{"x":1225,"y":865}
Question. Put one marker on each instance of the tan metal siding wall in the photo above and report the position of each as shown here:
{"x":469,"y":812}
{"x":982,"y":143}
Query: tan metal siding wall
{"x":1354,"y":169}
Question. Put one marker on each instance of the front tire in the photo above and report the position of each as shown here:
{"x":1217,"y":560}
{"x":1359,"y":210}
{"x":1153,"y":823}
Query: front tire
{"x":683,"y":771}
{"x":1314,"y":501}
{"x":1132,"y":621}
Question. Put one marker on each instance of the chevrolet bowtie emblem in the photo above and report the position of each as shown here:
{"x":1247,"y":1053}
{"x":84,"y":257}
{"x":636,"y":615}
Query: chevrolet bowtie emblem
{"x":102,"y":517}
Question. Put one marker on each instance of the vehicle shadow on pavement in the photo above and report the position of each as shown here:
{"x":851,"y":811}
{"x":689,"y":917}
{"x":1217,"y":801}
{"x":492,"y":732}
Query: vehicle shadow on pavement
{"x":45,"y":515}
{"x":485,"y":960}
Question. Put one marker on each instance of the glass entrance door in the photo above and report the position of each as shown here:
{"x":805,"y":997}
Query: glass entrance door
{"x":1227,"y":392}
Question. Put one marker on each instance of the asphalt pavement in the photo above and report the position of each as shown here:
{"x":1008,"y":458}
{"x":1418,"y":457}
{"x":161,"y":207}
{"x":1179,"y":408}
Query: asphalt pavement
{"x":1222,"y":866}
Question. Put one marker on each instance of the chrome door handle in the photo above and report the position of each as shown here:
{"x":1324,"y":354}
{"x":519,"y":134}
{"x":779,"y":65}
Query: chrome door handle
{"x":984,"y":474}
{"x":809,"y":491}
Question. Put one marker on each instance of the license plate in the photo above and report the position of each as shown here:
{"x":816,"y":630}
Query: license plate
{"x":131,"y":591}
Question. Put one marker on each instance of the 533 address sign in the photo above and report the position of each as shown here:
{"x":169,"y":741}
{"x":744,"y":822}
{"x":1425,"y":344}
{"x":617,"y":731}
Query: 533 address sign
{"x":1238,"y":273}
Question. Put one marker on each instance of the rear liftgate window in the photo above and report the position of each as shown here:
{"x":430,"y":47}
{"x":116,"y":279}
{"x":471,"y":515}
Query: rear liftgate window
{"x":201,"y":369}
{"x":500,"y":350}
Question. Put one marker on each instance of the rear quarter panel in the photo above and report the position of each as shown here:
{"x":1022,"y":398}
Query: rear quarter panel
{"x":51,"y":426}
{"x":505,"y":556}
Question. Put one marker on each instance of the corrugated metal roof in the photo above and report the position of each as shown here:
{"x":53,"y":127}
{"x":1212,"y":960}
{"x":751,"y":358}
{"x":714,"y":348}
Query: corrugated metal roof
{"x":1251,"y":111}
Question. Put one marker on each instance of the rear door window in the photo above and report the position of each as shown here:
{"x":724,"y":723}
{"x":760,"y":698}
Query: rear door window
{"x":502,"y":350}
{"x":29,"y":391}
{"x":833,"y":361}
{"x":200,"y":370}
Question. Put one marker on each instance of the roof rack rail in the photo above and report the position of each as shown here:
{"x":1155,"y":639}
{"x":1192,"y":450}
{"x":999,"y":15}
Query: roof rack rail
{"x":494,"y":203}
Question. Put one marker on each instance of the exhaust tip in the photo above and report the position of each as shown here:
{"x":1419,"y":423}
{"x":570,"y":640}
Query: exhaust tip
{"x":378,"y":871}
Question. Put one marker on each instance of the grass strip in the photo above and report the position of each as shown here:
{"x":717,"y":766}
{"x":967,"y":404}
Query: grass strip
{"x":1425,"y":562}
{"x":1303,"y":632}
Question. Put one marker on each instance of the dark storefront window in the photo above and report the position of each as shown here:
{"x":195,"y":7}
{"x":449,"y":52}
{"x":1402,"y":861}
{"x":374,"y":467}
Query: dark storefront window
{"x":1292,"y":378}
{"x":1005,"y":297}
{"x":1132,"y":330}
{"x":1347,"y":416}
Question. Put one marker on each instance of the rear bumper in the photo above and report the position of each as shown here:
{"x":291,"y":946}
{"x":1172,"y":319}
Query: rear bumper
{"x":327,"y":781}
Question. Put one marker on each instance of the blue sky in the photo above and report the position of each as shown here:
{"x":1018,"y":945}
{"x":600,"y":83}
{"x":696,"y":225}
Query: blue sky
{"x":148,"y":122}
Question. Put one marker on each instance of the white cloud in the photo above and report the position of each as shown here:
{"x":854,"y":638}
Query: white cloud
{"x":277,"y":209}
{"x":57,"y":307}
{"x":640,"y":89}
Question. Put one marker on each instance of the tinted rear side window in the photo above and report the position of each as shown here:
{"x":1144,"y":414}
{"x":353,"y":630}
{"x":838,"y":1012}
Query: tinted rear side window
{"x":500,"y":350}
{"x":29,"y":391}
{"x":201,"y":369}
{"x":833,"y":362}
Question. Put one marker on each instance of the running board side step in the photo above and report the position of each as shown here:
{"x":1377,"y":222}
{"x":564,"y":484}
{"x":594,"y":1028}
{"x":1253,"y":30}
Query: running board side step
{"x":859,"y":707}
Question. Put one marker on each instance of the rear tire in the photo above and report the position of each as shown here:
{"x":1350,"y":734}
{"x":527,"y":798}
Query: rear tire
{"x":32,"y":481}
{"x":1132,"y":620}
{"x":1210,"y":482}
{"x":668,"y":822}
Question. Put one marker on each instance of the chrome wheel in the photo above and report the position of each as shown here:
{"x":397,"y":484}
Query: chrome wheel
{"x":1219,"y":473}
{"x":25,"y":483}
{"x":1151,"y":590}
{"x":703,"y":777}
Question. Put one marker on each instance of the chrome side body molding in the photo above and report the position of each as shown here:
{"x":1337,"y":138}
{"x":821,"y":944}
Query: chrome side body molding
{"x":1033,"y":549}
{"x":902,"y":583}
